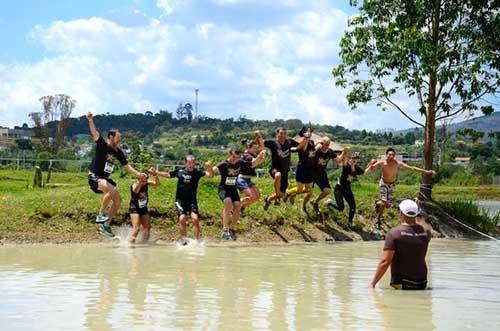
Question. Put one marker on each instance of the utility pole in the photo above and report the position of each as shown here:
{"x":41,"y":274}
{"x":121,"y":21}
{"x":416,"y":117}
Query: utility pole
{"x":196,"y":105}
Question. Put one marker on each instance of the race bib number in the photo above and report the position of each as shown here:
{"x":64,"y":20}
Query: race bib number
{"x":108,"y":167}
{"x":143,"y":203}
{"x":231,"y":181}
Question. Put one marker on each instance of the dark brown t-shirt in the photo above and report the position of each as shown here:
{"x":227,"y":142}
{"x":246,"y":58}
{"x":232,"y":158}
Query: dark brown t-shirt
{"x":409,"y":243}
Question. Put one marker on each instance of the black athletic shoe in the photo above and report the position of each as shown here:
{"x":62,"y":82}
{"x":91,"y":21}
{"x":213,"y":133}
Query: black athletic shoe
{"x":315,"y":206}
{"x":266,"y":202}
{"x":233,"y":235}
{"x":226,"y":235}
{"x":378,"y":224}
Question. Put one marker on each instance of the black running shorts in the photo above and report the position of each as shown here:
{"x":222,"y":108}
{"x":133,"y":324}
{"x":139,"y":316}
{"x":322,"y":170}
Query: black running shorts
{"x":284,"y":178}
{"x":186,"y":207}
{"x":94,"y":182}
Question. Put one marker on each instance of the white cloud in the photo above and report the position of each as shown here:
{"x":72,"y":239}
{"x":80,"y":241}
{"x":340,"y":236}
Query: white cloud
{"x":272,"y":71}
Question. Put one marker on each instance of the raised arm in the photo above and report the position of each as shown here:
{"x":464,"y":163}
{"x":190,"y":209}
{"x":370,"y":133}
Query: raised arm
{"x":416,"y":169}
{"x":259,"y":139}
{"x":210,"y":169}
{"x":259,"y":159}
{"x":343,"y":157}
{"x":374,"y":164}
{"x":93,"y":130}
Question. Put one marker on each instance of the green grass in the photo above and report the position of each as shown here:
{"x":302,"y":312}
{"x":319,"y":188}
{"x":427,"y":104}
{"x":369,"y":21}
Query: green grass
{"x":70,"y":206}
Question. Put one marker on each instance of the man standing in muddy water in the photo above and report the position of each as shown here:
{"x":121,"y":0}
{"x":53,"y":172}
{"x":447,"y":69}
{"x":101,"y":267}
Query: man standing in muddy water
{"x":390,"y":167}
{"x":101,"y":167}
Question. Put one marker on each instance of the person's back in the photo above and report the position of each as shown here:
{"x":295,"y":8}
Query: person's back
{"x":409,"y":243}
{"x":404,"y":251}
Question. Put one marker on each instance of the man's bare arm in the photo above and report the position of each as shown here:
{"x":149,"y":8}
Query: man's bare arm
{"x":374,"y":164}
{"x":259,"y":159}
{"x":128,"y":168}
{"x":93,"y":130}
{"x":416,"y":169}
{"x":382,"y":267}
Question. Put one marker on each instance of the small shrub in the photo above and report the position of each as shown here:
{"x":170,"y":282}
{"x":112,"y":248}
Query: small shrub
{"x":471,"y":214}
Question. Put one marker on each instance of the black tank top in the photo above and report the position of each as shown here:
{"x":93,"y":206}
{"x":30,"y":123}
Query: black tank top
{"x":246,"y":168}
{"x":140,"y":200}
{"x":348,"y":175}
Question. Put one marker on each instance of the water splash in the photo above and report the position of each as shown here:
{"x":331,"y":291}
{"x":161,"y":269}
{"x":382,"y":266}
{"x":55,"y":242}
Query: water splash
{"x":192,"y":246}
{"x":123,"y":235}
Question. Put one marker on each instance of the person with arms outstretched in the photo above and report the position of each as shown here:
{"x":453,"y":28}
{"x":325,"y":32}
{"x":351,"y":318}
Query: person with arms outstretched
{"x":186,"y":200}
{"x":387,"y":185}
{"x":103,"y":163}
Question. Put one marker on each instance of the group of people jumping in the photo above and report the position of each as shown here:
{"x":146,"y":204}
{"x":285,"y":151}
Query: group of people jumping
{"x":236,"y":173}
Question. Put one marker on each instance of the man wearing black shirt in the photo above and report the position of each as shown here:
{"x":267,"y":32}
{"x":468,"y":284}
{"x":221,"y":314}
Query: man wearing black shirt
{"x":186,"y":202}
{"x":280,"y":163}
{"x":229,"y":170}
{"x":323,"y":155}
{"x":101,"y":168}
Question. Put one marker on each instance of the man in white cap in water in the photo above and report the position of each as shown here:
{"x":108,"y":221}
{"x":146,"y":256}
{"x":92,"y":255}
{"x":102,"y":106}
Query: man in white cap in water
{"x":404,"y":250}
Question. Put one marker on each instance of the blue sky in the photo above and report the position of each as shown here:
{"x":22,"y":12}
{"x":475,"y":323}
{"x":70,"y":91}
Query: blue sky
{"x":259,"y":59}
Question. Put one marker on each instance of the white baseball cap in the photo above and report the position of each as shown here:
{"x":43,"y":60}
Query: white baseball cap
{"x":409,"y":208}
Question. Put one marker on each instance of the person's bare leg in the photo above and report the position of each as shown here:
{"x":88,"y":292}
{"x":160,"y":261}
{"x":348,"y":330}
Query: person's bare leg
{"x":277,"y":188}
{"x":146,"y":227}
{"x":196,"y":225}
{"x":106,"y":199}
{"x":236,"y":213}
{"x":326,"y":192}
{"x":117,"y":200}
{"x":135,"y":219}
{"x":107,"y":189}
{"x":308,"y":194}
{"x":182,"y":226}
{"x":228,"y":206}
{"x":248,"y":199}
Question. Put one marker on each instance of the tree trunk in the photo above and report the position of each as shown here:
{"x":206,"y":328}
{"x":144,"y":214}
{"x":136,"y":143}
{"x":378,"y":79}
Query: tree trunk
{"x":430,"y":120}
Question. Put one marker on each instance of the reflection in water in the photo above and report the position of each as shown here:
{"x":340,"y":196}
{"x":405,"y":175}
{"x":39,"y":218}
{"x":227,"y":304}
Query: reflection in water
{"x":309,"y":287}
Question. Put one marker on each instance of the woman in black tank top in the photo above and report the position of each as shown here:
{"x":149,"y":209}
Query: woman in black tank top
{"x":138,"y":208}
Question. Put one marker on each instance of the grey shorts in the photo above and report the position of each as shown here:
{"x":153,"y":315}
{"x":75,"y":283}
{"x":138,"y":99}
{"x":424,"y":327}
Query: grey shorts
{"x":387,"y":192}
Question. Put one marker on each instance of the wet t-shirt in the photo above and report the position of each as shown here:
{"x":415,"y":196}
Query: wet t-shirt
{"x":322,"y":159}
{"x":140,"y":199}
{"x":103,"y":162}
{"x":187,"y":183}
{"x":409,"y":243}
{"x":280,"y":153}
{"x":246,"y":167}
{"x":349,"y":174}
{"x":229,"y":174}
{"x":307,"y":155}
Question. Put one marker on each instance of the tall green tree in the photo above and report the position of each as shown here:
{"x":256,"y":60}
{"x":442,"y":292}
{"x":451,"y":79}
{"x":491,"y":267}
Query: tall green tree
{"x":444,"y":54}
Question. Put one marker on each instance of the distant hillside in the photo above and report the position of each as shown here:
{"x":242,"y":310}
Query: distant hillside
{"x":486,"y":124}
{"x":483,"y":124}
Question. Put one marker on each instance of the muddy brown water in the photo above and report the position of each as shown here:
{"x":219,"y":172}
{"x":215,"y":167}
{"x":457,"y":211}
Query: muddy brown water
{"x":241,"y":287}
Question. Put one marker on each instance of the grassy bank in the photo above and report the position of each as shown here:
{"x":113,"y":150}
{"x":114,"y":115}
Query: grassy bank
{"x":64,"y":211}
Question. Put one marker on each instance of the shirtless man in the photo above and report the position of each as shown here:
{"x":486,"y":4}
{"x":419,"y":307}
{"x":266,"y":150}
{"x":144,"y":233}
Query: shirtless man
{"x":390,"y":167}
